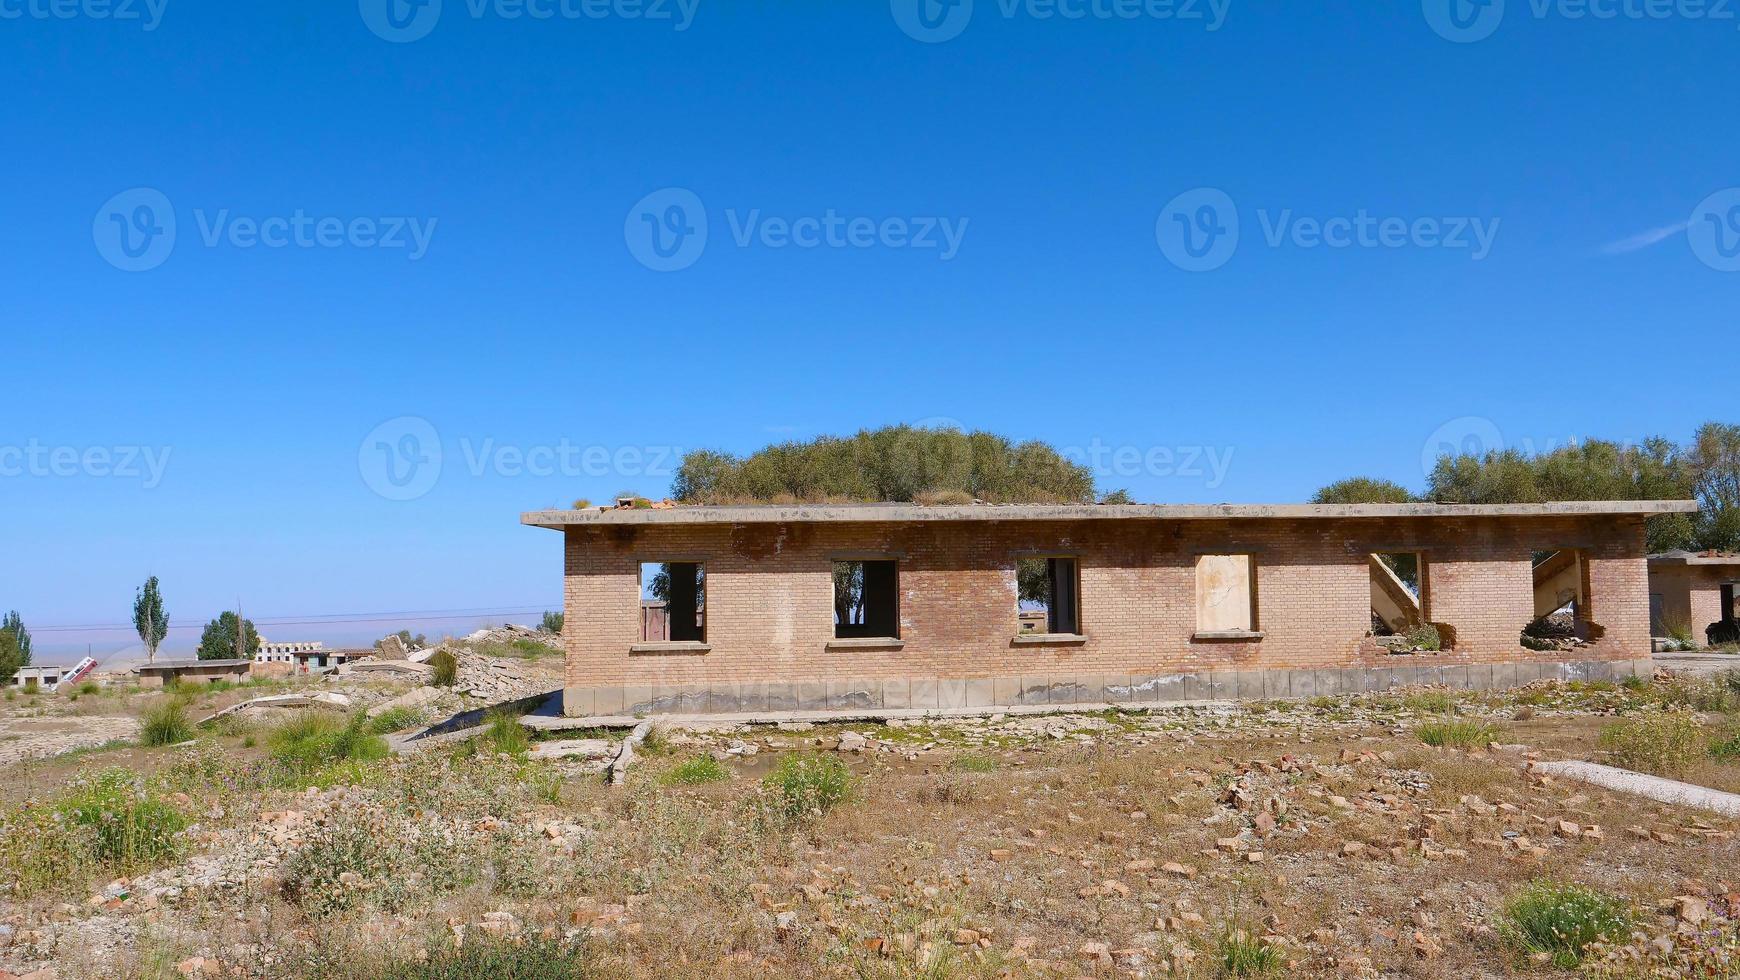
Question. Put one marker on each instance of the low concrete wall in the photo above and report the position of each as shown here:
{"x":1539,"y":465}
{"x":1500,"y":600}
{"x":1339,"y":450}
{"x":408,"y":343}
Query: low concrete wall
{"x":1066,"y":689}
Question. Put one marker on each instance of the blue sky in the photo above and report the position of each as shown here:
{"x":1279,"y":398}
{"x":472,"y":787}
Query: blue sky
{"x":1001,"y":190}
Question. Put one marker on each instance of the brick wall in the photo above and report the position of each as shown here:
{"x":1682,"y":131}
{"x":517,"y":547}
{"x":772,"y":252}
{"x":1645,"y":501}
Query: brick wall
{"x":769,"y":594}
{"x":1692,"y":594}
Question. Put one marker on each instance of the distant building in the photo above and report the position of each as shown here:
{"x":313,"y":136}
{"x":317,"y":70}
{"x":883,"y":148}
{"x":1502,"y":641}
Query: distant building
{"x":303,"y":657}
{"x":1694,"y":592}
{"x":51,"y":676}
{"x":161,"y":673}
{"x":43,"y":678}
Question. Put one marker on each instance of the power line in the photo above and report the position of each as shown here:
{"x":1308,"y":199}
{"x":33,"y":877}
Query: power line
{"x":321,"y":619}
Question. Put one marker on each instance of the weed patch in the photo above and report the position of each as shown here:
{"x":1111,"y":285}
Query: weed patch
{"x":1456,"y":734}
{"x":695,"y":771}
{"x":1562,"y":920}
{"x":1665,"y":743}
{"x":809,"y":785}
{"x":165,"y":724}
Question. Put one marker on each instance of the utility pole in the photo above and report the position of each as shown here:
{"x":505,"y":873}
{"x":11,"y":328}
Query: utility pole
{"x":241,"y":627}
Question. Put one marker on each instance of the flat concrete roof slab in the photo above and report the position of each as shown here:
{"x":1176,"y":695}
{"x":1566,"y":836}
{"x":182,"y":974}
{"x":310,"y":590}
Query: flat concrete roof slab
{"x":915,"y":513}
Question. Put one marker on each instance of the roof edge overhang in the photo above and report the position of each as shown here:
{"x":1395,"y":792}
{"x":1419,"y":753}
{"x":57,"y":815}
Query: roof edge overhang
{"x":919,"y":514}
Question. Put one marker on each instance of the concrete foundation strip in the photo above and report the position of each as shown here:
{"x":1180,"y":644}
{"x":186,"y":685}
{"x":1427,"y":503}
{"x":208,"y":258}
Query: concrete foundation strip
{"x":625,"y":757}
{"x":1651,"y":787}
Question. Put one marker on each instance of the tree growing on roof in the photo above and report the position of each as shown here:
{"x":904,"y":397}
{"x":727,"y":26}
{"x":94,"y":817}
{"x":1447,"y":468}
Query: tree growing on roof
{"x":1596,"y":469}
{"x":150,"y":619}
{"x":897,"y":463}
{"x":1364,"y":490}
{"x":218,"y":640}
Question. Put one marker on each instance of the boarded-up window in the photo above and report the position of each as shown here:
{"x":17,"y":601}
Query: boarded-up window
{"x":1225,"y":600}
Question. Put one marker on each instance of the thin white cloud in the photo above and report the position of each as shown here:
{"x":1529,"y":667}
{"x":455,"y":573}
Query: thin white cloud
{"x":1654,"y":236}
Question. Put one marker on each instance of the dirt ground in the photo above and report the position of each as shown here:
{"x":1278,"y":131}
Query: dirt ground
{"x":1164,"y":844}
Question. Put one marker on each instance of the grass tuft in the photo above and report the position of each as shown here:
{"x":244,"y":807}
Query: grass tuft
{"x":1456,"y":734}
{"x":809,"y":786}
{"x":1665,"y":743}
{"x":1241,"y":954}
{"x":695,"y":771}
{"x":313,"y":740}
{"x":1561,"y":920}
{"x":973,"y":763}
{"x":166,"y":724}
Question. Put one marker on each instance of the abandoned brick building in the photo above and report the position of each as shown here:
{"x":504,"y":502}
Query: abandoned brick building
{"x":700,"y":610}
{"x":1695,"y":593}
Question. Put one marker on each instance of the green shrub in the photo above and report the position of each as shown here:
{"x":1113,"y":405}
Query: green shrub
{"x":88,"y":688}
{"x":533,"y":958}
{"x":397,"y":720}
{"x":1665,"y":743}
{"x":504,"y":733}
{"x":43,"y":853}
{"x":1562,"y":920}
{"x":695,"y":771}
{"x":131,"y":827}
{"x":313,"y":740}
{"x":973,"y":763}
{"x":1726,"y":749}
{"x":1634,"y":683}
{"x":1424,"y":636}
{"x":1458,"y":734}
{"x":1431,"y":702}
{"x":445,"y":667}
{"x":165,"y":724}
{"x":809,"y":785}
{"x":1244,"y":955}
